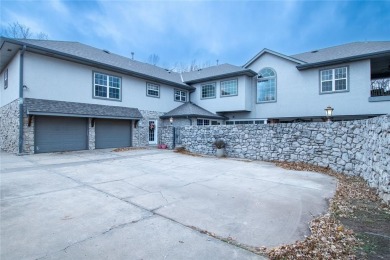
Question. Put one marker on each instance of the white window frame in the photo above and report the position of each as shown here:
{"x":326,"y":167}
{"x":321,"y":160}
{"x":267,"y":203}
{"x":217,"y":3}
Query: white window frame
{"x":333,"y":80}
{"x":270,"y":79}
{"x":213,"y":85}
{"x":180,"y":95}
{"x":226,"y":84}
{"x":154,"y":88}
{"x":107,"y":86}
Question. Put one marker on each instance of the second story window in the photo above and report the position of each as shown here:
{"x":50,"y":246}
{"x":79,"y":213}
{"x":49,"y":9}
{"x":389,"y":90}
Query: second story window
{"x":180,"y":95}
{"x":266,"y":86}
{"x":107,"y":86}
{"x":6,"y":79}
{"x":208,"y":91}
{"x":152,"y":90}
{"x":333,"y":80}
{"x":229,"y":88}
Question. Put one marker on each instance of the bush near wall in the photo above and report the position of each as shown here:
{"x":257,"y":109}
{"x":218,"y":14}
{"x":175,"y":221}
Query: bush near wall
{"x":360,"y":147}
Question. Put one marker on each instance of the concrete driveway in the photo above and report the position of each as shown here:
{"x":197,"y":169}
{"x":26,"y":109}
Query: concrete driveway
{"x":151,"y":204}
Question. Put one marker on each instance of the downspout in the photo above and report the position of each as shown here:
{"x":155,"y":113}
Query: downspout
{"x":21,"y":112}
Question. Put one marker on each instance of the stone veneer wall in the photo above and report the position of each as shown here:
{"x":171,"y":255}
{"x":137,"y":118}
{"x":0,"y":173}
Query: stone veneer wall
{"x":360,"y":147}
{"x":91,"y":135}
{"x":141,"y":132}
{"x":166,"y":136}
{"x":9,"y":127}
{"x":28,"y":135}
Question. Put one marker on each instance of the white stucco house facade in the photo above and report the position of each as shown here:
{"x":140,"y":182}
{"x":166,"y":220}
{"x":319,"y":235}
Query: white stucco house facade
{"x":60,"y":96}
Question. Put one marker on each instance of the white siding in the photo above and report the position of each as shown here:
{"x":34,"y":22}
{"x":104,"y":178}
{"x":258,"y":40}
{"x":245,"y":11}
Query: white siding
{"x":298,"y":92}
{"x":56,"y":79}
{"x":12,"y":92}
{"x":239,"y":102}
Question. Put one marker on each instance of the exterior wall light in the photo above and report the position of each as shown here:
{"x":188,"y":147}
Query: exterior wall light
{"x":329,"y":112}
{"x":171,"y":120}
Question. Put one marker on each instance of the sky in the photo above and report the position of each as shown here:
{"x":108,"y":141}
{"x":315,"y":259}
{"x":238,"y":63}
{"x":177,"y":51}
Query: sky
{"x":181,"y":32}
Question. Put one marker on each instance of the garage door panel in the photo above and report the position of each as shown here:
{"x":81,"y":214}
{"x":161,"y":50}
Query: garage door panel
{"x":57,"y":134}
{"x":112,"y":133}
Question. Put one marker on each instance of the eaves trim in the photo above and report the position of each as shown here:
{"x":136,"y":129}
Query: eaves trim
{"x":74,"y":58}
{"x":39,"y":113}
{"x":342,"y":60}
{"x":248,"y":72}
{"x":273,"y":53}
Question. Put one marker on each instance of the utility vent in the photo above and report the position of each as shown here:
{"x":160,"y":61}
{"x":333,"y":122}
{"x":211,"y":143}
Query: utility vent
{"x":107,"y":51}
{"x":314,"y":51}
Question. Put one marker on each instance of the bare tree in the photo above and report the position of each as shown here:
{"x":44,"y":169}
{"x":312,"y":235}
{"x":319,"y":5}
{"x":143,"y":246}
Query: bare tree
{"x":153,"y":59}
{"x":42,"y":36}
{"x":21,"y":31}
{"x":193,"y":66}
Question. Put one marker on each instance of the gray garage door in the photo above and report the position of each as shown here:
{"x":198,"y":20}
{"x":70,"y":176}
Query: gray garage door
{"x":112,"y":133}
{"x":57,"y":134}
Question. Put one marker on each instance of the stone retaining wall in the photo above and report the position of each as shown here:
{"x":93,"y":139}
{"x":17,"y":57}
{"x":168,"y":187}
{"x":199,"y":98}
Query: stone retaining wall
{"x":9,"y":127}
{"x":360,"y":147}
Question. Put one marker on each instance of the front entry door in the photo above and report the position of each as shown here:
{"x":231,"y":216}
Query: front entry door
{"x":152,"y":131}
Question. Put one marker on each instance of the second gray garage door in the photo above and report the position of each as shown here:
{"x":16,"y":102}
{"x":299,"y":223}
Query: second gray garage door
{"x":112,"y":133}
{"x":58,"y":134}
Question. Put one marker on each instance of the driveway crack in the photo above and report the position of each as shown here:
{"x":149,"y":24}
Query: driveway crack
{"x":103,"y":233}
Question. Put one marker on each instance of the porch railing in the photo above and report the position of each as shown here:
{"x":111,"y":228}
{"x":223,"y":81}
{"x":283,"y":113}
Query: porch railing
{"x":380,"y":87}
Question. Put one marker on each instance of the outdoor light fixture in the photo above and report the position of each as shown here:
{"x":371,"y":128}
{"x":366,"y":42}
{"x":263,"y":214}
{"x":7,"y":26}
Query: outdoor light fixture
{"x":329,"y":112}
{"x":171,"y":120}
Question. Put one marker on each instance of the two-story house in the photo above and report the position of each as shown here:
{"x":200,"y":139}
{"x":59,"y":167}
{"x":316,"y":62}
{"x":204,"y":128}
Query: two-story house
{"x":61,"y":96}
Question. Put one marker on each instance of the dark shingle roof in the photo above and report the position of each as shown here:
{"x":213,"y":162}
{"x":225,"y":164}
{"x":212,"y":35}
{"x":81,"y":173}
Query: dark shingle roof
{"x":62,"y":108}
{"x":215,"y":72}
{"x":352,"y":50}
{"x":78,"y":50}
{"x":189,"y":109}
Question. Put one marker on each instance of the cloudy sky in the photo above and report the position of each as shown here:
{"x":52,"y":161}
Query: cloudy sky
{"x":182,"y":31}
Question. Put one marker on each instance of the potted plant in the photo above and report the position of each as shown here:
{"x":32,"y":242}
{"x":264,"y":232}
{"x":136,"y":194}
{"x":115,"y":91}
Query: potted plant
{"x":162,"y":146}
{"x":220,"y":146}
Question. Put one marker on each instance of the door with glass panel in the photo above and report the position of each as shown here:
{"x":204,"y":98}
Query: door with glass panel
{"x":152,"y":131}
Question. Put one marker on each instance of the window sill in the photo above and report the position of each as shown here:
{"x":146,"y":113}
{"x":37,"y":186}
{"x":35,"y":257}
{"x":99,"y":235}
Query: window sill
{"x":110,"y":99}
{"x":333,"y":92}
{"x":379,"y":99}
{"x":265,"y":102}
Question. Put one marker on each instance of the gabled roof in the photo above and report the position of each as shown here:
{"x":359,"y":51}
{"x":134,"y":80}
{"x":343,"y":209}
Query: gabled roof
{"x":298,"y":61}
{"x":190,"y":110}
{"x":61,"y":108}
{"x":85,"y":54}
{"x":343,"y":53}
{"x":216,"y":72}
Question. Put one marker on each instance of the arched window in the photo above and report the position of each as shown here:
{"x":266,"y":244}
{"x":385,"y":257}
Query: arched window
{"x":266,"y":85}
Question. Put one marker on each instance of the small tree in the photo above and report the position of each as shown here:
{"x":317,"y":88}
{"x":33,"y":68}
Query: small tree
{"x":153,"y":59}
{"x":21,"y":31}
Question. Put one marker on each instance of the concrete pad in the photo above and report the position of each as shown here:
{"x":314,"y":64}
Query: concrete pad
{"x":35,"y":226}
{"x":120,"y":189}
{"x":152,"y":201}
{"x":153,"y":238}
{"x":101,"y":204}
{"x":99,"y":172}
{"x":27,"y":183}
{"x":261,"y":219}
{"x":155,"y":182}
{"x":11,"y":161}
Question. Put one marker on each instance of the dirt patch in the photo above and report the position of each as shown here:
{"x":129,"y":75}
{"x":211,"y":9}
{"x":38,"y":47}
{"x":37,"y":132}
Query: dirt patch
{"x":124,"y":149}
{"x":183,"y":150}
{"x":356,"y":227}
